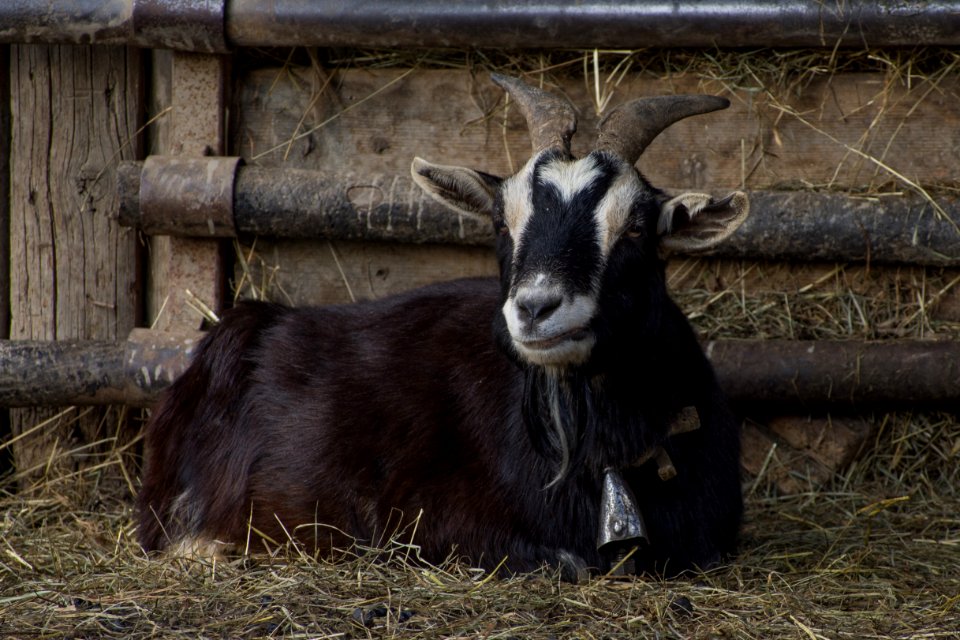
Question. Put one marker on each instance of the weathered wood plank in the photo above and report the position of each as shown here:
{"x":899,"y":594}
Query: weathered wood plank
{"x":4,"y":193}
{"x":75,"y":112}
{"x":822,"y":133}
{"x":306,"y":272}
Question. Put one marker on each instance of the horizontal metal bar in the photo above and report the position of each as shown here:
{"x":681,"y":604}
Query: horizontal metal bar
{"x":197,"y":25}
{"x":209,"y":25}
{"x":802,"y":226}
{"x":609,"y":24}
{"x":759,"y":375}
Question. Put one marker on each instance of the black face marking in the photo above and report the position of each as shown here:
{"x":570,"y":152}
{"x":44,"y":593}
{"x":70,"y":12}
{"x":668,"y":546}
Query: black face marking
{"x":561,"y":235}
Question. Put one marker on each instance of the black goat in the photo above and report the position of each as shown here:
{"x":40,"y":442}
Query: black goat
{"x":506,"y":418}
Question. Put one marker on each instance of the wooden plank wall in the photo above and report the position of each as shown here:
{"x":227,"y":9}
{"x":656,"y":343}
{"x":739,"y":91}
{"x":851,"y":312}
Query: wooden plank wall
{"x":853,"y":132}
{"x":75,"y":114}
{"x":378,"y":120}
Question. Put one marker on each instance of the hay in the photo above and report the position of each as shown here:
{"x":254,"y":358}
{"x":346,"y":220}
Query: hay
{"x":751,"y":299}
{"x":871,"y":555}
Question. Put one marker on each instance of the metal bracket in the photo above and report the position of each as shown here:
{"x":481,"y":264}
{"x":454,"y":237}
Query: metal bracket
{"x":198,"y":25}
{"x":192,"y":196}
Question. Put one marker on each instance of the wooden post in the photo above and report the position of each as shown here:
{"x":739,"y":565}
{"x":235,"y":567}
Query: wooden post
{"x":6,"y":459}
{"x":190,"y":89}
{"x":4,"y":192}
{"x":75,"y":114}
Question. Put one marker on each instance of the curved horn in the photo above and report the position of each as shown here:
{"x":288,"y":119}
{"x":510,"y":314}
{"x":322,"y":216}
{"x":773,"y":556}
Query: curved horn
{"x":551,"y":119}
{"x":627,"y":130}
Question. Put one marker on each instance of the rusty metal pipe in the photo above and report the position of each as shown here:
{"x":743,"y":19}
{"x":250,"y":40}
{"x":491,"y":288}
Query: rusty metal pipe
{"x":760,"y":375}
{"x":212,"y":25}
{"x":298,"y":204}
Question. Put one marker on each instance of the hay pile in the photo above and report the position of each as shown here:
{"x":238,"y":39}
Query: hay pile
{"x":874,"y":552}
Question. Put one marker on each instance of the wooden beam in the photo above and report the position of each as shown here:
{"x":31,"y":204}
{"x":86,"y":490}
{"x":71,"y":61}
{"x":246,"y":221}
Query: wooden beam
{"x":298,"y":204}
{"x":75,"y":114}
{"x":776,"y":374}
{"x":93,"y":372}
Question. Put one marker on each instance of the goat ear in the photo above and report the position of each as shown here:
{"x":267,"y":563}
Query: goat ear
{"x":696,"y":221}
{"x":464,"y":190}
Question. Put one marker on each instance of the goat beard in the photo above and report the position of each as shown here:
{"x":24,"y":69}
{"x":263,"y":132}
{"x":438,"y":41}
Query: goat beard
{"x":555,"y":406}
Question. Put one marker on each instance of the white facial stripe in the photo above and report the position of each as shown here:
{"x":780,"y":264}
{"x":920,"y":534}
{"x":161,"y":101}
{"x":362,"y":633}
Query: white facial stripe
{"x":518,"y":201}
{"x":569,"y":178}
{"x":614,"y":210}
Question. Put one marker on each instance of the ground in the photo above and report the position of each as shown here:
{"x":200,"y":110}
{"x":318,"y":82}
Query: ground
{"x":875,"y":553}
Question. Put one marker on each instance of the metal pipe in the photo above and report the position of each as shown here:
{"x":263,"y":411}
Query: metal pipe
{"x":298,"y":204}
{"x":210,"y":25}
{"x":607,"y":24}
{"x":197,"y":25}
{"x":778,"y":375}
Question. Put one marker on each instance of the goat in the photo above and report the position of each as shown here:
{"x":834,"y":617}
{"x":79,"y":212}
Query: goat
{"x":504,"y":418}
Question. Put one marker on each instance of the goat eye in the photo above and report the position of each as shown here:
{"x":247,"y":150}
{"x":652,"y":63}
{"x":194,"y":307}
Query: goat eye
{"x":634,"y":230}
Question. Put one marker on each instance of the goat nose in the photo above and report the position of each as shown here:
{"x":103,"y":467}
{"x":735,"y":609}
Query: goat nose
{"x":536,"y":306}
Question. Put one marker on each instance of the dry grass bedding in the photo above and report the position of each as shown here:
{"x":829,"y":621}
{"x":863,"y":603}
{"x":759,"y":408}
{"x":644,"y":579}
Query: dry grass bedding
{"x":875,"y":553}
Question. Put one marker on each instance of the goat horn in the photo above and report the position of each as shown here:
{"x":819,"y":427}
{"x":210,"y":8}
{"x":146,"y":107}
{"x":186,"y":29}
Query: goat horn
{"x":627,"y":130}
{"x":551,"y":119}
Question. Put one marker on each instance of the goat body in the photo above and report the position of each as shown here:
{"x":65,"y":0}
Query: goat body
{"x":483,"y":412}
{"x":356,"y":419}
